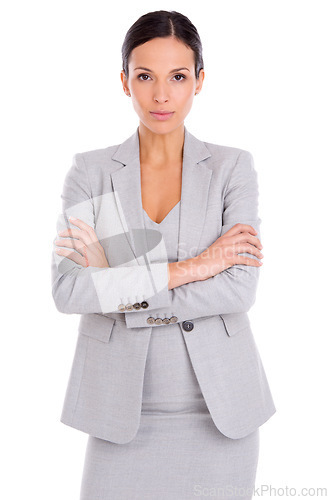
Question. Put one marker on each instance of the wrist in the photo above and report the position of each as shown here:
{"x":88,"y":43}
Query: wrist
{"x":183,"y":272}
{"x":192,"y":269}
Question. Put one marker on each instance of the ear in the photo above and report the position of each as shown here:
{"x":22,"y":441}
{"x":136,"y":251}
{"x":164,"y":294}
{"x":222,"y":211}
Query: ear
{"x":124,"y":82}
{"x":200,"y":81}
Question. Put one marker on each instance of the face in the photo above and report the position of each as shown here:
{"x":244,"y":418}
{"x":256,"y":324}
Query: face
{"x":162,"y":78}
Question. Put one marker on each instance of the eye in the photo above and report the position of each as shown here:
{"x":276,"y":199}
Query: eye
{"x":142,"y":74}
{"x":183,"y":77}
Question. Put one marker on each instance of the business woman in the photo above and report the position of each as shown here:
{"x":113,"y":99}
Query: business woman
{"x":161,"y":259}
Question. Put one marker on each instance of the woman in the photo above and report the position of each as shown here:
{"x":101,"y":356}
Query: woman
{"x":166,"y":379}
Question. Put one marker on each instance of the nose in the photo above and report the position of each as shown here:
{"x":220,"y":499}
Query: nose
{"x":160,"y":94}
{"x":160,"y":99}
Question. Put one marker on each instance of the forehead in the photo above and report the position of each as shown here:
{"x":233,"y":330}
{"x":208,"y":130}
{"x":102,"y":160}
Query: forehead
{"x":162,"y":53}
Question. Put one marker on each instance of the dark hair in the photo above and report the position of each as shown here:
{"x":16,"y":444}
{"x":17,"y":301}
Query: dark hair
{"x":162,"y":23}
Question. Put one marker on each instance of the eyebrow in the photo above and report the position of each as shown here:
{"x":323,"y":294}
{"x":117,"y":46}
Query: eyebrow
{"x":172,"y":71}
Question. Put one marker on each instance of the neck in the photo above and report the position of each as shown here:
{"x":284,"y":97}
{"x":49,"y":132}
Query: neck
{"x":161,"y":149}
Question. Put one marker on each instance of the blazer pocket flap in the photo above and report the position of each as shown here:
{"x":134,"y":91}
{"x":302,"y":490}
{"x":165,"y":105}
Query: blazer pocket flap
{"x":97,"y":326}
{"x":235,"y":322}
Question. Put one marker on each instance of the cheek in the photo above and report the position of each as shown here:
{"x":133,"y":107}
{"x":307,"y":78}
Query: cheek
{"x":187,"y":101}
{"x":141,"y":98}
{"x":185,"y":95}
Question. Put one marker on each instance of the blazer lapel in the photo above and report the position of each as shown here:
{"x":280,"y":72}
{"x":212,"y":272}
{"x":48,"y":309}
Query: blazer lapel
{"x":196,"y":178}
{"x":126,"y":184}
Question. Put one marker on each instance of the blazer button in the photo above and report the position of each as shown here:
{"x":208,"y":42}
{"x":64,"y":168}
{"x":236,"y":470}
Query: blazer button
{"x":121,"y":307}
{"x":173,"y":319}
{"x":144,"y":304}
{"x":158,"y":321}
{"x":129,"y":307}
{"x":137,"y":306}
{"x":166,"y":321}
{"x":150,"y":320}
{"x":188,"y":326}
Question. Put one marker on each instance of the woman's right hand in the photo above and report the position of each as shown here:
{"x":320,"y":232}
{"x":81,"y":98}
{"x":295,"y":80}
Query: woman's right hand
{"x":223,"y":253}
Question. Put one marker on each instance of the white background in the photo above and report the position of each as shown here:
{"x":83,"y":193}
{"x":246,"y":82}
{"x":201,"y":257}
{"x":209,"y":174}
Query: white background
{"x":266,"y":91}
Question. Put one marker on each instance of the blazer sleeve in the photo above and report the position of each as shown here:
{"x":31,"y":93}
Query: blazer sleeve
{"x":84,"y":290}
{"x":234,"y":289}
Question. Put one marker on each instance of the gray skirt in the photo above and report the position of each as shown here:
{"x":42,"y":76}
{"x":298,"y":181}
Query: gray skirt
{"x":178,"y":453}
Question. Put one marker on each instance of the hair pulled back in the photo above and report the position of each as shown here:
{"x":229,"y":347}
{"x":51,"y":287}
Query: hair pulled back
{"x":162,"y":23}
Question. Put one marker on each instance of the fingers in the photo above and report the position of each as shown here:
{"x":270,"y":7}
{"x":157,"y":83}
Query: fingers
{"x":254,"y":241}
{"x":248,"y":261}
{"x":75,"y":256}
{"x":84,"y":227}
{"x":72,"y":243}
{"x":240,"y":228}
{"x":83,"y":239}
{"x":245,"y":237}
{"x":246,"y":247}
{"x":76,"y":233}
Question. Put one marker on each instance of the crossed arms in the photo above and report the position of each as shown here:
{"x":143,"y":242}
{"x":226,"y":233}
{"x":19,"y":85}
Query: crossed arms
{"x":84,"y":290}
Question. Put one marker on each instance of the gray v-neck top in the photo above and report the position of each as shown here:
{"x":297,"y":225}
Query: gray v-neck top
{"x":169,"y":228}
{"x":170,"y":383}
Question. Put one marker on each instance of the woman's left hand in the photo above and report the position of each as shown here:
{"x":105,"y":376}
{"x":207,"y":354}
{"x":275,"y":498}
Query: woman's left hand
{"x":89,"y":252}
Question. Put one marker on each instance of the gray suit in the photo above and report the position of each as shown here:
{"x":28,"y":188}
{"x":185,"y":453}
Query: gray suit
{"x":121,"y":304}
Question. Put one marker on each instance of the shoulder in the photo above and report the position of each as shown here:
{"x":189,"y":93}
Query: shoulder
{"x":229,"y":153}
{"x":94,"y":164}
{"x":229,"y":159}
{"x":100,"y":156}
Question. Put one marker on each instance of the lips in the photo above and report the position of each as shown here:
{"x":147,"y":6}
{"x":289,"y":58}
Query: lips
{"x":161,"y":112}
{"x":162,"y":115}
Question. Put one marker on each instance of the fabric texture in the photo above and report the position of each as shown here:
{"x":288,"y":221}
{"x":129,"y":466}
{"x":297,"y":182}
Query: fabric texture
{"x":105,"y":387}
{"x":178,"y":452}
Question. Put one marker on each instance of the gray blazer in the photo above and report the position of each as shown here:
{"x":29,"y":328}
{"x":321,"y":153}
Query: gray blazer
{"x":120,"y":305}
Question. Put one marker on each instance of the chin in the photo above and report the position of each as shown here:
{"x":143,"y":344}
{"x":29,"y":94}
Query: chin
{"x":159,"y":127}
